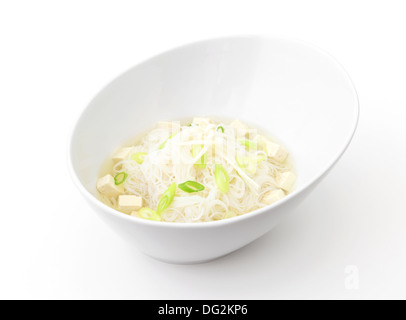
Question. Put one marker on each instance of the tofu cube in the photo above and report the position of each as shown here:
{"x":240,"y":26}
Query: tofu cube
{"x":107,"y":187}
{"x":240,"y":128}
{"x":273,"y":196}
{"x":276,"y":151}
{"x":122,"y":154}
{"x":129,"y":203}
{"x":202,"y":122}
{"x":173,"y":126}
{"x":251,"y":134}
{"x":286,"y":181}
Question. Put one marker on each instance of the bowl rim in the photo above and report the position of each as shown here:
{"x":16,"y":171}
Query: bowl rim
{"x":219,"y":223}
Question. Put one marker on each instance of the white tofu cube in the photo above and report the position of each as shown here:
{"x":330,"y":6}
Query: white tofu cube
{"x":201,"y":122}
{"x":173,"y":126}
{"x":107,"y":187}
{"x":276,"y":151}
{"x":251,"y":134}
{"x":273,"y":196}
{"x":122,"y":154}
{"x":129,"y":203}
{"x":240,"y":128}
{"x":286,"y":181}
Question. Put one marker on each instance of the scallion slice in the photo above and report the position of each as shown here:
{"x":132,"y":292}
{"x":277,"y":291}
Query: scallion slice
{"x":163,"y":144}
{"x":241,"y":161}
{"x":120,"y":178}
{"x":249,"y":164}
{"x":222,"y":178}
{"x":260,"y":158}
{"x":202,"y":162}
{"x":249,"y":144}
{"x":220,"y":128}
{"x":191,"y":186}
{"x":149,"y":214}
{"x":139,"y":157}
{"x":166,"y":199}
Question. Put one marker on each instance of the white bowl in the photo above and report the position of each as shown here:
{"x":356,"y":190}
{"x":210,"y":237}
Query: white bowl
{"x":295,"y":91}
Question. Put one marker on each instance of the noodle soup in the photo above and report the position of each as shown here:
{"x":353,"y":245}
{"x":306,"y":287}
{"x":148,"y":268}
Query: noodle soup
{"x":197,"y":171}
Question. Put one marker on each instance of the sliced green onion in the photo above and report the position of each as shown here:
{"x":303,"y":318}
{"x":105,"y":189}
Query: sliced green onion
{"x":166,"y":198}
{"x":222,"y":178}
{"x":220,"y":128}
{"x":163,"y":144}
{"x":149,"y":214}
{"x":139,"y":157}
{"x":260,"y":158}
{"x":120,"y":178}
{"x":191,"y":186}
{"x":229,"y":214}
{"x":248,"y":144}
{"x":241,"y":161}
{"x":202,"y":162}
{"x":249,"y":164}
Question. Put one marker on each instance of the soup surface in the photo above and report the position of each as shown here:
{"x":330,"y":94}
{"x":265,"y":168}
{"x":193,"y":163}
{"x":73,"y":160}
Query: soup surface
{"x":197,"y":171}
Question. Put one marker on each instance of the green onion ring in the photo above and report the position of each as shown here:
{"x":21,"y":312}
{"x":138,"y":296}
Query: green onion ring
{"x":222,"y":178}
{"x":191,"y":186}
{"x":202,"y":162}
{"x":163,"y":144}
{"x":220,"y":128}
{"x":249,"y":144}
{"x":120,"y":178}
{"x":139,"y":157}
{"x":149,"y":214}
{"x":166,"y":199}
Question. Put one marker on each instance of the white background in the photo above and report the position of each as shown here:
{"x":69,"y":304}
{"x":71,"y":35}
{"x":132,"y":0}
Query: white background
{"x":56,"y":55}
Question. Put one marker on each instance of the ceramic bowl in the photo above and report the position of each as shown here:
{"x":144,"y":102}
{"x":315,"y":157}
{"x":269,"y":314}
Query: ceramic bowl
{"x":295,"y":91}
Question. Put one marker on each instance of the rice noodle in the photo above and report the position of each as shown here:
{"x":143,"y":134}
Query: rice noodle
{"x":175,"y":162}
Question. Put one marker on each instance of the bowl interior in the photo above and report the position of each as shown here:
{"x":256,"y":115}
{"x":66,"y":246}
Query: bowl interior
{"x":294,"y":91}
